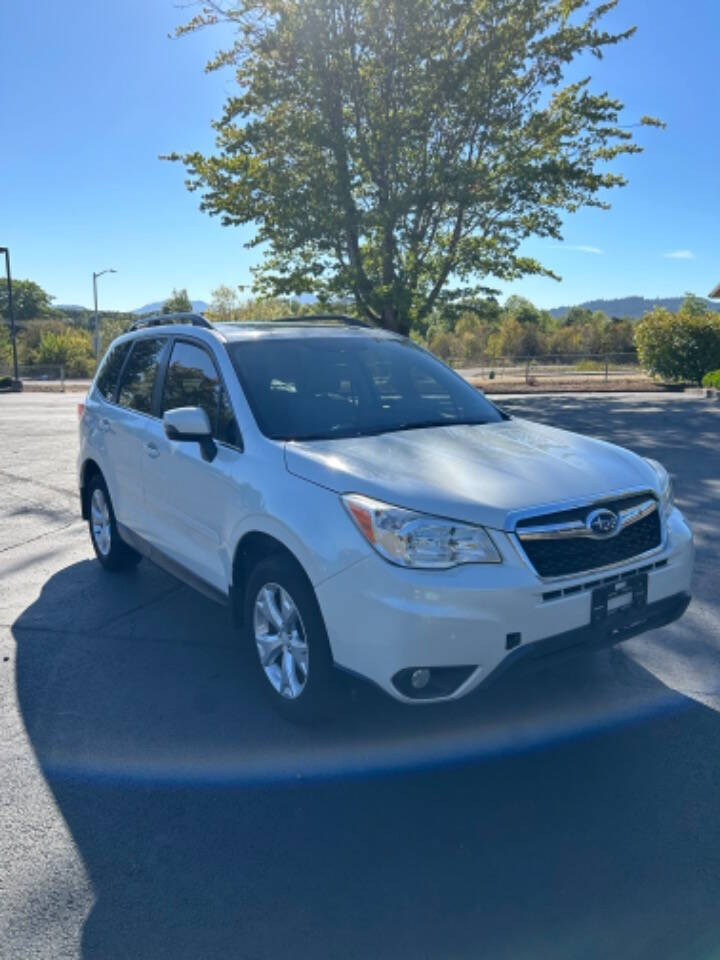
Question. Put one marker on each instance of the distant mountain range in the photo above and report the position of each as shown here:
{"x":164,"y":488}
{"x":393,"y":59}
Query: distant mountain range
{"x":199,"y":306}
{"x":634,"y":307}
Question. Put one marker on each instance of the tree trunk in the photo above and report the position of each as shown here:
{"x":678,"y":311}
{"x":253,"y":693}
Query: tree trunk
{"x":392,"y":318}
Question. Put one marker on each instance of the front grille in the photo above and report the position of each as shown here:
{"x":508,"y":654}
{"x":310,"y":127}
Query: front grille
{"x":568,"y":555}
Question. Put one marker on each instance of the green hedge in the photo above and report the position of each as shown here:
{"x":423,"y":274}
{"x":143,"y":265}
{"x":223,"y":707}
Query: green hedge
{"x":712,"y":379}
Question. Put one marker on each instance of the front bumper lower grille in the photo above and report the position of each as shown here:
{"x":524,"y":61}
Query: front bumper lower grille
{"x":566,"y":554}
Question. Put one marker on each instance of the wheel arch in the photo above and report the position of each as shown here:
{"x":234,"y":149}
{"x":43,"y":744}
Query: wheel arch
{"x":89,"y":470}
{"x":254,"y":546}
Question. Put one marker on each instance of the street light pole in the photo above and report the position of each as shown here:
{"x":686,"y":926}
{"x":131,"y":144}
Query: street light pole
{"x":11,"y":311}
{"x":97,"y":319}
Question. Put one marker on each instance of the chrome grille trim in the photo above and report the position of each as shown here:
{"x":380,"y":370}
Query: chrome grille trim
{"x":514,"y":517}
{"x":639,"y":511}
{"x":576,"y":528}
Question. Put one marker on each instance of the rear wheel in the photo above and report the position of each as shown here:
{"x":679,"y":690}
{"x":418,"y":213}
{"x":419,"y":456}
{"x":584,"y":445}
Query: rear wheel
{"x":291,"y":649}
{"x":112,"y":552}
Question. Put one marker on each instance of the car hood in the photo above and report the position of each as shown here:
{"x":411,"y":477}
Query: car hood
{"x":477,"y":473}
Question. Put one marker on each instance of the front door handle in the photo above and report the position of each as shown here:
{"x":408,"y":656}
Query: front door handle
{"x":151,"y":450}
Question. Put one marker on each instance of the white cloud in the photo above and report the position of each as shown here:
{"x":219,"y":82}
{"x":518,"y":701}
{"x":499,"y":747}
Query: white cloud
{"x":579,"y":247}
{"x":679,"y":255}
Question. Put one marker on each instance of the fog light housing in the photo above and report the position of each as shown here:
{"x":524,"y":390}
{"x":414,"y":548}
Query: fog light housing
{"x":420,"y":678}
{"x":429,"y":683}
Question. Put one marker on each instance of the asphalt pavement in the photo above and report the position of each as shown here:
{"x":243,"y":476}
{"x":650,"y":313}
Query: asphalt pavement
{"x":152,"y":805}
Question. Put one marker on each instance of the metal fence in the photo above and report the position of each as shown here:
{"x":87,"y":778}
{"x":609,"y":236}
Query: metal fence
{"x":560,"y":366}
{"x":52,"y":375}
{"x":585,"y":367}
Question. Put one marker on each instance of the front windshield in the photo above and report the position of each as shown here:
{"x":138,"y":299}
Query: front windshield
{"x":330,"y":387}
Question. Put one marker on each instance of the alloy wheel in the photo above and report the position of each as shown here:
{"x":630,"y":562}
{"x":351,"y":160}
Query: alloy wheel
{"x":280,"y":640}
{"x":100,"y":521}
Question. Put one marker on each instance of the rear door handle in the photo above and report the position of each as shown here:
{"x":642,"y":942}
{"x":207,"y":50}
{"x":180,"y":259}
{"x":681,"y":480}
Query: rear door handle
{"x":151,"y":450}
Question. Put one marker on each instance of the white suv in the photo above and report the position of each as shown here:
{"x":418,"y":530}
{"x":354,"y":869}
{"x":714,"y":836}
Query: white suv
{"x":360,"y":506}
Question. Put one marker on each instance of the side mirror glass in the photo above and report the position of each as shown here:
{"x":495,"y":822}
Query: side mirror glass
{"x":190,"y":425}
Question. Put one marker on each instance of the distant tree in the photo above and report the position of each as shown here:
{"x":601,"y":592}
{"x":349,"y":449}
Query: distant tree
{"x":448,"y":315}
{"x":577,"y":316}
{"x":693,"y":305}
{"x":442,"y":344}
{"x":521,"y":310}
{"x":272,"y":308}
{"x":225,"y":304}
{"x":620,"y":336}
{"x":111,"y":326}
{"x":565,"y":339}
{"x":679,"y":346}
{"x":178,"y":302}
{"x":400,"y":153}
{"x":517,"y":339}
{"x":30,"y":301}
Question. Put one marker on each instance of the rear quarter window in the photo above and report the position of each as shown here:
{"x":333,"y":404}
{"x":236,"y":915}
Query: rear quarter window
{"x":140,"y":373}
{"x":107,"y":377}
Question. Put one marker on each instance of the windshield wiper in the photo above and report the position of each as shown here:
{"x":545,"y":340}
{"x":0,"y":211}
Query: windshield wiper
{"x":379,"y":431}
{"x":427,"y":424}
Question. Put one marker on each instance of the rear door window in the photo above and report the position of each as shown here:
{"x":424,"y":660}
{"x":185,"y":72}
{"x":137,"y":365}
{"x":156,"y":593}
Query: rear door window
{"x":110,"y":370}
{"x":140,"y":373}
{"x":193,"y":381}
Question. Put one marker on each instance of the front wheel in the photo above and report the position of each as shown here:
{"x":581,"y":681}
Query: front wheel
{"x":292,"y":653}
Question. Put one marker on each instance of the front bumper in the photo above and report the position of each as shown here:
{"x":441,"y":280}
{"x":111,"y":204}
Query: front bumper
{"x":620,"y":627}
{"x":384,"y":620}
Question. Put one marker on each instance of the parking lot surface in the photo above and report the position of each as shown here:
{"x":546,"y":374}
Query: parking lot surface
{"x":152,"y":805}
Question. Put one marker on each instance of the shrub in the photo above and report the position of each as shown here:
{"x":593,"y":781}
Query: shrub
{"x":68,"y":347}
{"x":679,"y":346}
{"x":712,"y":379}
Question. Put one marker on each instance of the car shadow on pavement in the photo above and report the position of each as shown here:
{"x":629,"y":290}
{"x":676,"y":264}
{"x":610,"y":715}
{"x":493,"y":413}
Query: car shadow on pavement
{"x":565,"y":812}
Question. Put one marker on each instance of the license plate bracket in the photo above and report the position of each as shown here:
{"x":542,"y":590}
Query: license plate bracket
{"x":613,"y":599}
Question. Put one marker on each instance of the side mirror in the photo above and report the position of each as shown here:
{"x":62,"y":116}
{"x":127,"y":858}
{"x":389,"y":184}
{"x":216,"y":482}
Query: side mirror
{"x":190,"y":425}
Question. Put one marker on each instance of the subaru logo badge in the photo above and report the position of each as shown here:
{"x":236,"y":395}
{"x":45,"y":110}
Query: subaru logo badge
{"x":602,"y":523}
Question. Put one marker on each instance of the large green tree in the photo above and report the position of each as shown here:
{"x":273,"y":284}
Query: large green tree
{"x":30,"y":301}
{"x":399,"y":151}
{"x":680,"y":346}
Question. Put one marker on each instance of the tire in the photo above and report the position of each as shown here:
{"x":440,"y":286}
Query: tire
{"x":280,"y":605}
{"x":112,"y":552}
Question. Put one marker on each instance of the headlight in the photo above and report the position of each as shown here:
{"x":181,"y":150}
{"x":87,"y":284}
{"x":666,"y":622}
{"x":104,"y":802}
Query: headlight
{"x":667,"y":497}
{"x":412,"y":539}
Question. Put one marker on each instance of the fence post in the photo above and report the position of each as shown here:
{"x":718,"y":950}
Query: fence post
{"x":62,"y":378}
{"x":527,"y":370}
{"x":606,"y":368}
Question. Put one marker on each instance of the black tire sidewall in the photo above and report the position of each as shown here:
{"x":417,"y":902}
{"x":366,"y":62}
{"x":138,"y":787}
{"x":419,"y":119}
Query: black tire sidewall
{"x":317,"y":698}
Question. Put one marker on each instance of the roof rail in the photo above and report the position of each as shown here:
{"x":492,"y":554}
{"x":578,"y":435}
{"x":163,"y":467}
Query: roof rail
{"x":322,"y":318}
{"x":161,"y":320}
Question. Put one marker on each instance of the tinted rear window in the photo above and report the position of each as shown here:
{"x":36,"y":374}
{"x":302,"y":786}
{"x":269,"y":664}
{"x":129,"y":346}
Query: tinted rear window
{"x":138,"y":379}
{"x":110,"y":370}
{"x":320,"y":388}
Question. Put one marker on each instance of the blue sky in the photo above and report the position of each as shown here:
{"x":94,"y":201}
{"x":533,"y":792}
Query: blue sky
{"x":93,"y":91}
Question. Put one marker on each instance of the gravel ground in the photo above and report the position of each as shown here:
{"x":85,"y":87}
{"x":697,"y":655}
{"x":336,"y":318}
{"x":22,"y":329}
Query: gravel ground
{"x":151,"y":806}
